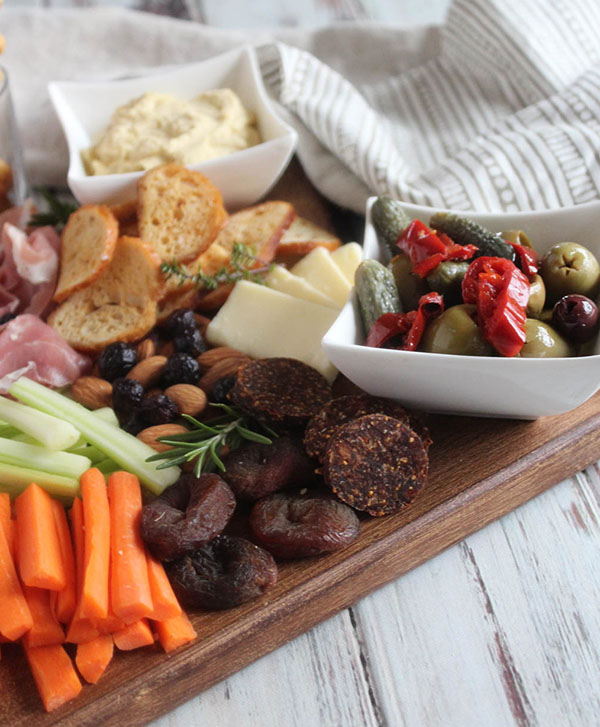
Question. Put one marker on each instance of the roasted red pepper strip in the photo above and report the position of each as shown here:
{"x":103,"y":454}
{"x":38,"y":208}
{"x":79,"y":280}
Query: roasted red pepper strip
{"x":427,"y":249}
{"x":501,"y":292}
{"x":409,"y":327}
{"x":530,"y":260}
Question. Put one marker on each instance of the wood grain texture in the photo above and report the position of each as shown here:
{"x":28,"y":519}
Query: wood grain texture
{"x":480,"y":470}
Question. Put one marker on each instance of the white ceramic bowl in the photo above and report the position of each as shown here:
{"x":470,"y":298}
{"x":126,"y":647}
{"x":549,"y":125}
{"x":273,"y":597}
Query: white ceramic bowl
{"x":523,"y":388}
{"x":84,"y":110}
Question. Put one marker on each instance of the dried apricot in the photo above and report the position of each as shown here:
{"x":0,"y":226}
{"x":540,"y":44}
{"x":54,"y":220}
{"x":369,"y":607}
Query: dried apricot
{"x":187,"y":515}
{"x":224,"y":573}
{"x":296,"y":526}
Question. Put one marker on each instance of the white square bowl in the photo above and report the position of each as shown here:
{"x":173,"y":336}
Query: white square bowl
{"x":84,"y":110}
{"x":521,"y":388}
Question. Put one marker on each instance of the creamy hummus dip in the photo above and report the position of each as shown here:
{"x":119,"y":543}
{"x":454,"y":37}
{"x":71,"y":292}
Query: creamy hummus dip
{"x":158,"y":127}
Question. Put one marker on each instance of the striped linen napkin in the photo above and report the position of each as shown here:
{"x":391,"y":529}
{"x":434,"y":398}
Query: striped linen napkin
{"x":505,"y":118}
{"x":499,"y":109}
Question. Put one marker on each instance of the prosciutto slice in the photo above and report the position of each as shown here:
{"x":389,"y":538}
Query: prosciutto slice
{"x":29,"y":346}
{"x":28,"y":269}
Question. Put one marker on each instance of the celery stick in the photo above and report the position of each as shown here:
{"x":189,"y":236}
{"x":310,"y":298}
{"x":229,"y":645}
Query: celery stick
{"x":107,"y":414}
{"x":31,"y":456}
{"x":107,"y":466}
{"x":46,"y":429}
{"x":88,"y":451}
{"x":16,"y":479}
{"x":125,"y":449}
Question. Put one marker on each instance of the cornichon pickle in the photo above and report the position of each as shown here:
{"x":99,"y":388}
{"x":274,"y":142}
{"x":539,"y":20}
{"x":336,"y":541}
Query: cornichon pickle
{"x":410,"y":286}
{"x":389,"y":220}
{"x":466,"y":232}
{"x":447,"y":278}
{"x":376,"y":291}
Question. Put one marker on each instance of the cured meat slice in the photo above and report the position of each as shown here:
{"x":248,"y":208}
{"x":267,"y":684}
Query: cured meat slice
{"x":280,"y":391}
{"x":29,"y":346}
{"x":376,"y":464}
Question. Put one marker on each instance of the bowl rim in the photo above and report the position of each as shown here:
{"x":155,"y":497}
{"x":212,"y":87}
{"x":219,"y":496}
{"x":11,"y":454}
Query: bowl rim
{"x":329,"y":339}
{"x":245,"y":52}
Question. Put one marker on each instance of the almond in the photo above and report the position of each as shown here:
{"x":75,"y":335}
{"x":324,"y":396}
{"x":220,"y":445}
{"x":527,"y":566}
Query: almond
{"x":189,"y":399}
{"x":202,"y":322}
{"x":145,"y":349}
{"x":167,"y":349}
{"x":151,"y":435}
{"x":214,"y":355}
{"x":148,"y":371}
{"x":93,"y":392}
{"x":223,"y":368}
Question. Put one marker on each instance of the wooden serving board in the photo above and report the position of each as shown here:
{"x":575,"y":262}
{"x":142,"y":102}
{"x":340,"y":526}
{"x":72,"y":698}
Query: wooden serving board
{"x":480,"y":469}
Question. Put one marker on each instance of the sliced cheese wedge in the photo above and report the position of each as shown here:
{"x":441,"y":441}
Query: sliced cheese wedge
{"x":262,"y":322}
{"x":282,"y":280}
{"x":348,"y":257}
{"x":323,"y":274}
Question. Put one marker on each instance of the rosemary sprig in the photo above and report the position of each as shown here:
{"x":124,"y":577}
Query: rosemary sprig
{"x":241,"y":267}
{"x":57,"y":214}
{"x":204,"y":442}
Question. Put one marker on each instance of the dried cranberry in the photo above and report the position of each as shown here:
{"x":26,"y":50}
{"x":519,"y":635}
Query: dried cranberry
{"x":181,"y":368}
{"x":190,"y":342}
{"x":297,"y":526}
{"x":220,"y":391}
{"x":224,"y":573}
{"x":158,"y":409}
{"x":181,"y":322}
{"x":116,"y":360}
{"x":127,"y":395}
{"x":188,"y":514}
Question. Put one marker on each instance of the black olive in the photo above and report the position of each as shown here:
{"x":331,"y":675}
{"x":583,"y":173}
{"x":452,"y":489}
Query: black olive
{"x":190,"y":342}
{"x":181,"y":368}
{"x":116,"y":360}
{"x":158,"y":409}
{"x":220,"y":391}
{"x":127,"y":395}
{"x":181,"y":322}
{"x":576,"y":317}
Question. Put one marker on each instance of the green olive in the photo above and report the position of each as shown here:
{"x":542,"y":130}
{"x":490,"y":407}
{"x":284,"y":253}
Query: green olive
{"x":570,"y":268}
{"x":517,"y":236}
{"x":542,"y":341}
{"x":537,"y":297}
{"x":546,"y":315}
{"x":456,"y":332}
{"x":410,"y":287}
{"x":447,"y":278}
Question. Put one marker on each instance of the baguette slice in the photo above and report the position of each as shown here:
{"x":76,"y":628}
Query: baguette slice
{"x":87,"y":246}
{"x":302,"y":236}
{"x":120,"y":305}
{"x":259,"y":228}
{"x":180,"y":212}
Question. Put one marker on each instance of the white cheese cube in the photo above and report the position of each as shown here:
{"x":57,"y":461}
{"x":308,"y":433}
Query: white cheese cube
{"x":282,"y":280}
{"x":323,"y":274}
{"x":348,"y":257}
{"x":262,"y":323}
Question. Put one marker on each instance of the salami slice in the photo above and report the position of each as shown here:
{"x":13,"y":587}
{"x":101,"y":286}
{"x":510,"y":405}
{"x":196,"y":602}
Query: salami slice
{"x":375,"y":464}
{"x":281,"y":391}
{"x":338,"y":412}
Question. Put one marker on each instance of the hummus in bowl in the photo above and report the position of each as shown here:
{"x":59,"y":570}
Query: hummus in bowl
{"x":244,"y":175}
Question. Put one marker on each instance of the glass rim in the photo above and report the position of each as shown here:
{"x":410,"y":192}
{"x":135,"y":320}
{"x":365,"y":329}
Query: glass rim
{"x":3,"y":79}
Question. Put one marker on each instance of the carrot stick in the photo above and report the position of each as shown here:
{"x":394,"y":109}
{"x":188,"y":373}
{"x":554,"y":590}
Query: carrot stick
{"x":96,"y":518}
{"x":93,"y":657}
{"x":133,"y":636}
{"x":129,"y":587}
{"x":80,"y":629}
{"x":164,"y":599}
{"x":175,"y":632}
{"x":46,"y":630}
{"x":64,"y":601}
{"x":39,"y":558}
{"x":15,"y":616}
{"x":7,"y":522}
{"x":54,"y":675}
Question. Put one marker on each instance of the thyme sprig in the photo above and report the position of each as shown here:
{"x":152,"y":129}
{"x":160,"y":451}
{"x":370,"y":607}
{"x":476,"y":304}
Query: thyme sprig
{"x":56,"y":215}
{"x":242,"y":266}
{"x":205,"y":441}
